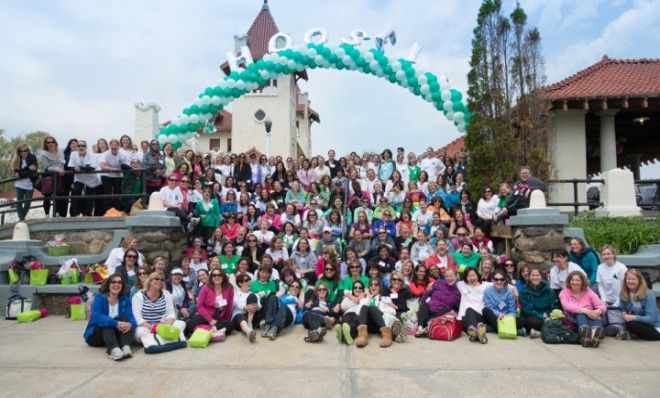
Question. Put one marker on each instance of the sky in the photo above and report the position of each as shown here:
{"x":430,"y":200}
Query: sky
{"x":75,"y":68}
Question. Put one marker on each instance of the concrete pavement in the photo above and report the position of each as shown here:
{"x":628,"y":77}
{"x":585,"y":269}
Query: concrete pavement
{"x":49,"y":358}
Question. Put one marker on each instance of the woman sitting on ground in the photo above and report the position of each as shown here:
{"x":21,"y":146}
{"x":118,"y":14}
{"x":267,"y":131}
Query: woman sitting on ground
{"x":180,"y":294}
{"x":111,"y":321}
{"x":280,"y":312}
{"x":350,"y":308}
{"x":420,"y":282}
{"x":537,"y":300}
{"x":500,"y":302}
{"x":639,"y":307}
{"x":376,"y":313}
{"x":443,"y":297}
{"x":246,"y":308}
{"x":472,"y":305}
{"x":214,"y":305}
{"x":578,"y":300}
{"x":317,"y":318}
{"x":154,"y":305}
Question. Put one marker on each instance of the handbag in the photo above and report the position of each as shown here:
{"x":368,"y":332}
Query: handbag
{"x":156,"y":344}
{"x":78,"y":312}
{"x":169,"y":332}
{"x":38,"y":277}
{"x":445,"y":327}
{"x":506,"y":328}
{"x":15,"y":305}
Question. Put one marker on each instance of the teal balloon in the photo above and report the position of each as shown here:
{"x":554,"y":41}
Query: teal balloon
{"x":261,"y":64}
{"x":437,"y":97}
{"x":417,"y":91}
{"x":434,"y":86}
{"x":392,"y":78}
{"x":204,"y":109}
{"x":194,"y":109}
{"x":236,"y":92}
{"x":413,"y":82}
{"x":277,"y":68}
{"x":234,"y":75}
{"x":409,"y":71}
{"x":457,"y":106}
{"x":208,"y":91}
{"x":430,"y":77}
{"x":455,"y":95}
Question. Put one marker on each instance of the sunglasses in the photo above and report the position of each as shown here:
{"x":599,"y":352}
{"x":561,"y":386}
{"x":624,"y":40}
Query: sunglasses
{"x":329,"y":269}
{"x":159,"y":279}
{"x":142,"y":273}
{"x":358,"y":288}
{"x":131,"y":256}
{"x":244,"y":281}
{"x":173,"y":179}
{"x":382,"y":233}
{"x":23,"y":150}
{"x":322,"y":290}
{"x":186,"y":181}
{"x":355,"y":267}
{"x":461,"y":234}
{"x":488,"y":191}
{"x":50,"y":142}
{"x":509,"y":265}
{"x":498,"y":279}
{"x":116,"y":283}
{"x":396,"y":280}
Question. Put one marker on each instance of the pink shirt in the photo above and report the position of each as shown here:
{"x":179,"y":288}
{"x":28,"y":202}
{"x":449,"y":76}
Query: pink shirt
{"x":588,"y":299}
{"x":206,"y":303}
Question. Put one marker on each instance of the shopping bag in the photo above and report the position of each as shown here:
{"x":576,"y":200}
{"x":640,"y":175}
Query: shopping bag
{"x":29,"y":316}
{"x":506,"y":327}
{"x":78,"y":312}
{"x":13,"y":276}
{"x":15,"y":305}
{"x":169,"y":332}
{"x":200,"y":338}
{"x":38,"y":277}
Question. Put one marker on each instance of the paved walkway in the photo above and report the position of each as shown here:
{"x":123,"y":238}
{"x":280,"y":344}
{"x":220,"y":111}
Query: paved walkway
{"x":48,"y":358}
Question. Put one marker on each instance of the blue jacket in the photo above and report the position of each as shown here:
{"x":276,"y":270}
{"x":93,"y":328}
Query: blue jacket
{"x":500,"y":302}
{"x":100,"y":310}
{"x":645,"y":311}
{"x":588,"y":260}
{"x":451,"y":200}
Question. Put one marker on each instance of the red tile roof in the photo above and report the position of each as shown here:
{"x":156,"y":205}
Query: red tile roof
{"x":223,"y":121}
{"x":610,"y":78}
{"x":454,"y":147}
{"x":262,"y":29}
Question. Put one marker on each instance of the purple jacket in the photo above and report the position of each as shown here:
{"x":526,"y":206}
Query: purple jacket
{"x":442,"y":296}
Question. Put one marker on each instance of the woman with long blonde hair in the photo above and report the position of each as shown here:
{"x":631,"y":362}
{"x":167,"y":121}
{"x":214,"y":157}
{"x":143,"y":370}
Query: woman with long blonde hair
{"x":24,"y":164}
{"x":639,"y":307}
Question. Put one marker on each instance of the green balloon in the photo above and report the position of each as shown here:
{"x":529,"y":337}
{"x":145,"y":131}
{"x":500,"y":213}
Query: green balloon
{"x":236,"y":92}
{"x":204,"y":109}
{"x":413,"y":82}
{"x":392,"y":78}
{"x":455,"y":95}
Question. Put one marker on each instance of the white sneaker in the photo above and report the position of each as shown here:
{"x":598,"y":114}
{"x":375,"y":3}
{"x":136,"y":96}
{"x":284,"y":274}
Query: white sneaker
{"x":126,"y":351}
{"x":116,"y":354}
{"x":192,"y":224}
{"x":534,"y":334}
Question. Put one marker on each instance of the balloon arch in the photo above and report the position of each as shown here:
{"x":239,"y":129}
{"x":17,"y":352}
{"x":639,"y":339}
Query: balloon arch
{"x":344,"y":56}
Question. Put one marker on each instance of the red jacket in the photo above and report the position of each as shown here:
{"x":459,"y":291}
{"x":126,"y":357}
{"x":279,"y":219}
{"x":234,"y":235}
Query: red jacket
{"x":206,"y":303}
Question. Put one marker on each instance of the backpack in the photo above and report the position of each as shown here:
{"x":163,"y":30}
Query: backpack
{"x":15,"y":305}
{"x":553,"y":331}
{"x":445,"y":327}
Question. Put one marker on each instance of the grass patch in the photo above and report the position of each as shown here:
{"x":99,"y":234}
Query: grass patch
{"x":626,"y":234}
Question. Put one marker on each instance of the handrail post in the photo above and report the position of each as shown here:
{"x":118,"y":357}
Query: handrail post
{"x":144,"y":188}
{"x":53,"y":204}
{"x":575,"y":195}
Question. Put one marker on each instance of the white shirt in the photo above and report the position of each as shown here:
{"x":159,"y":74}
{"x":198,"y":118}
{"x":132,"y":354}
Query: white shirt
{"x":433,"y":167}
{"x":558,"y":276}
{"x":171,"y":197}
{"x":113,"y":161}
{"x":321,"y":171}
{"x":610,"y":280}
{"x":471,"y":297}
{"x":90,"y":159}
{"x":24,"y":183}
{"x":425,"y":217}
{"x":197,"y":266}
{"x":264,"y":237}
{"x":487,"y":209}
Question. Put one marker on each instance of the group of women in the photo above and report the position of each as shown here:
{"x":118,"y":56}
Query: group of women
{"x":359,"y":245}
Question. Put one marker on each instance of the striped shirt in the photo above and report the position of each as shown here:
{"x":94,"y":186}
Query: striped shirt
{"x":154,"y":311}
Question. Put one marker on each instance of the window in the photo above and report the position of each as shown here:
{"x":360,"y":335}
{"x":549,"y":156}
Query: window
{"x":228,"y":144}
{"x":214,"y":144}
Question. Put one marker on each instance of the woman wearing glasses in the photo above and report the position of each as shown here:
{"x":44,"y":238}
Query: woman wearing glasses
{"x":51,"y":160}
{"x":350,"y":308}
{"x":317,"y":318}
{"x":376,"y":313}
{"x":154,"y":166}
{"x":500,"y":302}
{"x":24,"y":164}
{"x":129,"y":267}
{"x":111,"y":321}
{"x":215,"y":303}
{"x":245,"y":314}
{"x":85,"y":161}
{"x":154,"y":305}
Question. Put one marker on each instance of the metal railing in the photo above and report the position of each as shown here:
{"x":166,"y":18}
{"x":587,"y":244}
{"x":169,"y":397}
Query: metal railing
{"x":54,"y":198}
{"x":575,"y":203}
{"x":654,"y":204}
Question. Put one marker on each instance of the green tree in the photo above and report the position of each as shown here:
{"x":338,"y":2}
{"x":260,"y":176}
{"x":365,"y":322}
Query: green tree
{"x":509,"y":123}
{"x":34,"y":141}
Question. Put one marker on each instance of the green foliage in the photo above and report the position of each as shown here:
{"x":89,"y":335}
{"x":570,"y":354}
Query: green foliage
{"x":625,"y":234}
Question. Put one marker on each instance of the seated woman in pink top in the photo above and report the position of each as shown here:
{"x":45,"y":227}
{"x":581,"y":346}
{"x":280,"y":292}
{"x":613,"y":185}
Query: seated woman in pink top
{"x":214,"y":304}
{"x":578,"y":300}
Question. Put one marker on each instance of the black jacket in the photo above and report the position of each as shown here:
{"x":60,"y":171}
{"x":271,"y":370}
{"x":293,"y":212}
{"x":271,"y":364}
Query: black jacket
{"x":25,"y":172}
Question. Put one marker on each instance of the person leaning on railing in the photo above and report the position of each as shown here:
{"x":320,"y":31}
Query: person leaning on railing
{"x":83,"y":162}
{"x":24,"y":164}
{"x":51,"y":160}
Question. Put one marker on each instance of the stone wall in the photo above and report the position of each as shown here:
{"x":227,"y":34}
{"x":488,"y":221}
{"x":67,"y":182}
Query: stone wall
{"x":167,"y":242}
{"x":533,"y":245}
{"x":81,"y":242}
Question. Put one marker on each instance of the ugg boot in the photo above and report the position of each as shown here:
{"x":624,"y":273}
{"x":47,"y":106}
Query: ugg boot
{"x":386,"y":341}
{"x":363,"y":336}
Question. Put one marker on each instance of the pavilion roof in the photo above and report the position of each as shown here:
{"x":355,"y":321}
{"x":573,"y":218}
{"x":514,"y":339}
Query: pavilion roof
{"x":610,"y":78}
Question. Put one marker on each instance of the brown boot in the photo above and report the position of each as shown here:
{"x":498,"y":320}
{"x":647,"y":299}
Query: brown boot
{"x":362,"y":337}
{"x":387,"y":337}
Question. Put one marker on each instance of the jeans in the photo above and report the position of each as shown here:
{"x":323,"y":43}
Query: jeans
{"x":643,"y":330}
{"x":276,"y":315}
{"x":198,"y":319}
{"x":585,"y":321}
{"x":372,"y":317}
{"x":23,"y":208}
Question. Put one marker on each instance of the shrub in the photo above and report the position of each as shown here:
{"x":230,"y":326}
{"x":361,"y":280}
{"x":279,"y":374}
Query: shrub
{"x":626,"y":234}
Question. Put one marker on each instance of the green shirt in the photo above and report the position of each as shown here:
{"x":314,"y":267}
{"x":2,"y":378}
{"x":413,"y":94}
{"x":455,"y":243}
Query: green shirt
{"x":263,"y":289}
{"x":413,"y":173}
{"x":347,"y":283}
{"x":464,"y":262}
{"x":229,"y":264}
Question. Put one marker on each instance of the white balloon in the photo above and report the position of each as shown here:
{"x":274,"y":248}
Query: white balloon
{"x":450,"y":116}
{"x":291,"y":64}
{"x":400,"y":75}
{"x":172,"y":139}
{"x":443,"y":79}
{"x":444,"y":86}
{"x":264,"y":74}
{"x":346,"y":59}
{"x":446,"y":95}
{"x":312,"y":53}
{"x":240,"y":84}
{"x":380,"y":73}
{"x":461,"y":128}
{"x":447,"y":106}
{"x":215,"y":100}
{"x":206,"y":100}
{"x":459,"y":117}
{"x":340,"y":52}
{"x":422,"y":78}
{"x":194,"y":118}
{"x":425,"y":89}
{"x":231,"y":83}
{"x":319,"y":60}
{"x":267,"y":57}
{"x":396,"y":66}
